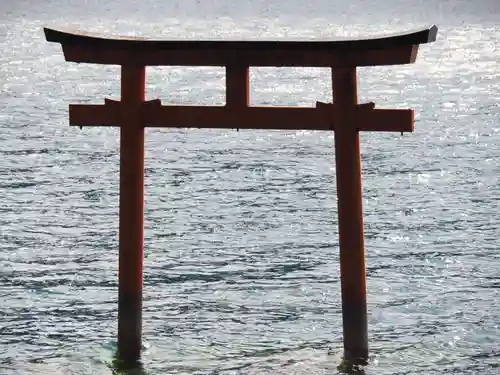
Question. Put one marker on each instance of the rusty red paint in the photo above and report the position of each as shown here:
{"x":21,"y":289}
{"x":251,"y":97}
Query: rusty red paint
{"x":131,"y":234}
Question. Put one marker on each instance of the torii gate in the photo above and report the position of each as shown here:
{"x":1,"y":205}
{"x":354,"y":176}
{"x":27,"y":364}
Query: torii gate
{"x":344,"y":116}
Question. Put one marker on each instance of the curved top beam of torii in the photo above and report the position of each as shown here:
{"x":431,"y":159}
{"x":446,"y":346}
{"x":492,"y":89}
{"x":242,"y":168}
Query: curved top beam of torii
{"x":400,"y":48}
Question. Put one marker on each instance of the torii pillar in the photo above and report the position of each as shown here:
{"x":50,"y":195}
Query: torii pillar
{"x":344,"y":116}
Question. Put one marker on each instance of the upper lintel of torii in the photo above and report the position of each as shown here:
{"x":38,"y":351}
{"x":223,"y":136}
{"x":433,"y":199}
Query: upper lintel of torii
{"x":393,"y":49}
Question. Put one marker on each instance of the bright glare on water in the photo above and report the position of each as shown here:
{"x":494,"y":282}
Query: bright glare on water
{"x":241,"y":242}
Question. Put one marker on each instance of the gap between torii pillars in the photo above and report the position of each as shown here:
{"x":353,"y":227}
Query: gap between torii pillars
{"x":344,"y":116}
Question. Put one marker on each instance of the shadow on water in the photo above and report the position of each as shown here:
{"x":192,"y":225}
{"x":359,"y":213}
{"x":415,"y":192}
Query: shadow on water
{"x":121,"y":367}
{"x":352,"y":366}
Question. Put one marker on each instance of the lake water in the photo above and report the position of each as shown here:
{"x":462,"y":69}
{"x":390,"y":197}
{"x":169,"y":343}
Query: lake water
{"x":241,"y":242}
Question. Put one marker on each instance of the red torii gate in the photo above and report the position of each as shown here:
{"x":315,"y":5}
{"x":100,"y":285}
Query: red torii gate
{"x":344,"y":116}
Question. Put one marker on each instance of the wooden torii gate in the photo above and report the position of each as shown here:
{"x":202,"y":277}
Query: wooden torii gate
{"x":344,"y":116}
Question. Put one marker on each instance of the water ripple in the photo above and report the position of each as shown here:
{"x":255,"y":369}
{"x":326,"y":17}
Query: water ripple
{"x":241,"y":242}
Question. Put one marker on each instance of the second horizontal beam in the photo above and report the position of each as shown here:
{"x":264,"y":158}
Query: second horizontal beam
{"x":221,"y":117}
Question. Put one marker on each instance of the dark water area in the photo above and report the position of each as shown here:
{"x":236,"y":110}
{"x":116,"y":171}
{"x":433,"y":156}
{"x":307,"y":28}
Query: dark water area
{"x":241,"y":242}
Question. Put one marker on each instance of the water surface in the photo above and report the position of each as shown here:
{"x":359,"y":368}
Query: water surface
{"x":241,"y":246}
